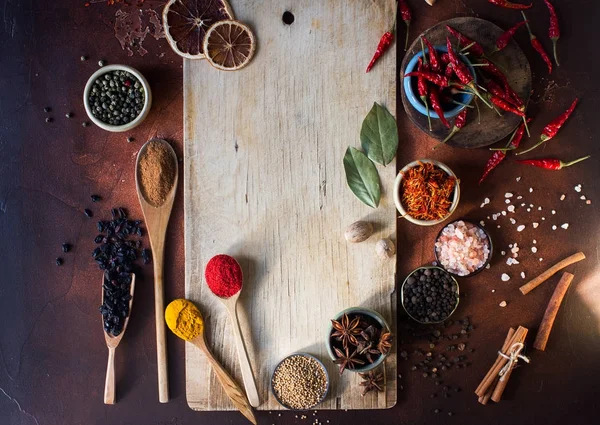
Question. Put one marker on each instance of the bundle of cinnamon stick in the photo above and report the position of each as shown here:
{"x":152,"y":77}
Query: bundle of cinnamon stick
{"x":494,"y":383}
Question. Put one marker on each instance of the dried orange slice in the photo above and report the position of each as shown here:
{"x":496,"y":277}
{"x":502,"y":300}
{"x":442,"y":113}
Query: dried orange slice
{"x":229,"y":45}
{"x":186,"y":22}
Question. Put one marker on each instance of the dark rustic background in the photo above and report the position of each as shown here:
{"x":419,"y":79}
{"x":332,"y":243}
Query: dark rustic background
{"x":52,"y":351}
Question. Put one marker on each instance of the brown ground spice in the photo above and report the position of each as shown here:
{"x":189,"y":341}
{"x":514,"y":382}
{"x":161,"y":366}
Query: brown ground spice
{"x":156,"y":173}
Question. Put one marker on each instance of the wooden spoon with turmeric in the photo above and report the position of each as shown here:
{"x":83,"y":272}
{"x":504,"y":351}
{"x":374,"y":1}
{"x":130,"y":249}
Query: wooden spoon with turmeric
{"x":156,"y":181}
{"x":185,"y":320}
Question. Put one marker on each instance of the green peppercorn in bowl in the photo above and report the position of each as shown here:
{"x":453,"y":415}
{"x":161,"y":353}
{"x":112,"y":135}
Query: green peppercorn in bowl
{"x":117,"y":98}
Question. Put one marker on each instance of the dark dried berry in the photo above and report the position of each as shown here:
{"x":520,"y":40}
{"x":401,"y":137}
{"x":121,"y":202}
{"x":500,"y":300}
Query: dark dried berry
{"x":48,"y":119}
{"x":88,"y":213}
{"x":59,"y":261}
{"x":96,"y":198}
{"x":436,"y":411}
{"x":66,"y":247}
{"x":47,"y":109}
{"x":434,"y":395}
{"x":450,"y":413}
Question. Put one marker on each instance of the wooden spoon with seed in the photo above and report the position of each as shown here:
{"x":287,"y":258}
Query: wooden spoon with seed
{"x":112,"y":342}
{"x":156,"y":174}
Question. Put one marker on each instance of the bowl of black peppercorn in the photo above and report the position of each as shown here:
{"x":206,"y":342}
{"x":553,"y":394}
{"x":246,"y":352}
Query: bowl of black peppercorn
{"x":117,"y":98}
{"x":429,"y":295}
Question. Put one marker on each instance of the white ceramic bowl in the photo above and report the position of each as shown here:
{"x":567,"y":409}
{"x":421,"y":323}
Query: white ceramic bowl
{"x":398,"y":202}
{"x":147,"y":98}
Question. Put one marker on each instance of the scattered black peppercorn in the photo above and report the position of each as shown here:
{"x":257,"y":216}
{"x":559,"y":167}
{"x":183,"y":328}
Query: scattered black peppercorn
{"x":48,"y":119}
{"x":95,"y":198}
{"x":59,"y":261}
{"x":47,"y":109}
{"x":85,"y":124}
{"x":83,"y":58}
{"x":66,"y":247}
{"x":101,"y":63}
{"x":88,"y":213}
{"x":130,"y":139}
{"x":68,"y":115}
{"x":450,"y":413}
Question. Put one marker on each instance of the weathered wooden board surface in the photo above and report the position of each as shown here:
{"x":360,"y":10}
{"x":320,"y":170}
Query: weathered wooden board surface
{"x":264,"y":182}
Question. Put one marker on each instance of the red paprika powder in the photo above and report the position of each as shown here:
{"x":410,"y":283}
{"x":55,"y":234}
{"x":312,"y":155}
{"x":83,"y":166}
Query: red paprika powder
{"x":223,"y":275}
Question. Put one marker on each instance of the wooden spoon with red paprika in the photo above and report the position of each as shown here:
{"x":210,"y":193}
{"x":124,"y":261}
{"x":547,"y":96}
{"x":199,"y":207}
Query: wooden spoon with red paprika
{"x":224,"y":278}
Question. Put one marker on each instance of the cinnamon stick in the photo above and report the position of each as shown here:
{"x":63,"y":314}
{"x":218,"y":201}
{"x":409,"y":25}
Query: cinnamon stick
{"x":534,"y":283}
{"x":504,"y":348}
{"x":519,"y":336}
{"x":543,"y":334}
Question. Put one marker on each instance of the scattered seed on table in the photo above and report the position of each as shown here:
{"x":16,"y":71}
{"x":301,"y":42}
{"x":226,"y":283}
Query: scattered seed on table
{"x":513,"y":221}
{"x":488,"y":266}
{"x":554,"y":227}
{"x":436,"y":411}
{"x":511,"y":208}
{"x":68,"y":115}
{"x":101,"y":63}
{"x":588,"y":202}
{"x":83,"y":58}
{"x":518,"y":179}
{"x":553,"y":212}
{"x":582,"y":197}
{"x":507,"y":201}
{"x":85,"y":124}
{"x":96,"y":198}
{"x":520,"y":228}
{"x":88,"y":213}
{"x":66,"y":247}
{"x":59,"y":261}
{"x":508,"y":195}
{"x":562,"y":197}
{"x":130,"y":139}
{"x":577,"y":188}
{"x":535,"y":225}
{"x":48,"y":119}
{"x":530,"y":189}
{"x":534,"y":249}
{"x":541,"y":259}
{"x":565,"y":226}
{"x":505,"y":277}
{"x":503,"y":212}
{"x":502,"y":304}
{"x":47,"y":109}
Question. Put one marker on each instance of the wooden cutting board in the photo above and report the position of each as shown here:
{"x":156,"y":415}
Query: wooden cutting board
{"x":264,"y":181}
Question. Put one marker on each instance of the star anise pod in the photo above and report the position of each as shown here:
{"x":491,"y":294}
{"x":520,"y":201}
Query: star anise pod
{"x":367,"y":341}
{"x":385,"y":343}
{"x":346,"y":360}
{"x":371,"y":381}
{"x":346,"y":330}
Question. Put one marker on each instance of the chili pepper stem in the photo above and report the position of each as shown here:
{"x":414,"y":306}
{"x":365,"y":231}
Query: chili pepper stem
{"x":425,"y":60}
{"x":456,"y":102}
{"x":467,"y":47}
{"x":448,"y":137}
{"x":554,"y":40}
{"x":478,"y":112}
{"x":568,"y":164}
{"x":526,"y":127}
{"x":497,"y":111}
{"x":424,"y":100}
{"x":480,"y":64}
{"x":541,"y":142}
{"x":407,"y":32}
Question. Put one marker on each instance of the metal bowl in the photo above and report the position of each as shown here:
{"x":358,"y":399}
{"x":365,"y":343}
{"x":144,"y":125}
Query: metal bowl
{"x":304,"y":355}
{"x":367,"y":312}
{"x":402,"y":300}
{"x":479,"y":270}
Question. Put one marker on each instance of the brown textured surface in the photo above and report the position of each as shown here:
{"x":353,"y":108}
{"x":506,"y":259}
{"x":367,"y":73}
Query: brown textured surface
{"x":512,"y":60}
{"x":52,"y":352}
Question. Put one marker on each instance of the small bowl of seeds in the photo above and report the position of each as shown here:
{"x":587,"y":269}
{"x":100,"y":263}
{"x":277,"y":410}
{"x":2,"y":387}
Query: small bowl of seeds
{"x":429,"y":295}
{"x":117,"y":98}
{"x":300,"y":382}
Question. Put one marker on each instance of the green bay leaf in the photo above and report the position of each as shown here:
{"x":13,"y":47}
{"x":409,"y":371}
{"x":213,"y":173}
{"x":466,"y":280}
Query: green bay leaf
{"x":379,"y":135}
{"x":362,"y":177}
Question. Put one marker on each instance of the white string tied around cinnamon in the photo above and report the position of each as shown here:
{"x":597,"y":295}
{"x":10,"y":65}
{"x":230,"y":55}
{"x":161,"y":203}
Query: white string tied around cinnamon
{"x":514,"y":354}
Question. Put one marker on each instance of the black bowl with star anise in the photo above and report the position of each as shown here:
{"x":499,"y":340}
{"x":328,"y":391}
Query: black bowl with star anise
{"x":358,"y":339}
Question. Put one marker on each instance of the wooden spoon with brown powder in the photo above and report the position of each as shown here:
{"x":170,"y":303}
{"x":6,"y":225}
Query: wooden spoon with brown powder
{"x":156,"y":174}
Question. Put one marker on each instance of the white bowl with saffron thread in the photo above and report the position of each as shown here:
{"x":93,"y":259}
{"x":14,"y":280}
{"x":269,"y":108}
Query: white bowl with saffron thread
{"x":398,"y":196}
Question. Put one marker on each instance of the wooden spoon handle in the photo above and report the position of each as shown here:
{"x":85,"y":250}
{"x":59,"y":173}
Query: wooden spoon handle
{"x":246,"y":369}
{"x":109,"y":384}
{"x":232,"y":389}
{"x":161,"y":341}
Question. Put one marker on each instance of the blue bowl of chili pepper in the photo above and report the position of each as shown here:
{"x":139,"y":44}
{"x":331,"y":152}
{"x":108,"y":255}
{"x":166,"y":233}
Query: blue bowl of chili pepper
{"x":412,"y":94}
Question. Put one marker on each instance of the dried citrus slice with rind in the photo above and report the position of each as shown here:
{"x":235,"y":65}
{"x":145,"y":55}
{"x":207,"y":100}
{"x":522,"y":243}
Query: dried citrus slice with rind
{"x":186,"y":22}
{"x":229,"y":45}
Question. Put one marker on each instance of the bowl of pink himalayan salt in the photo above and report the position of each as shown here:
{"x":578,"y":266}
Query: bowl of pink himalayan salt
{"x":463,"y":248}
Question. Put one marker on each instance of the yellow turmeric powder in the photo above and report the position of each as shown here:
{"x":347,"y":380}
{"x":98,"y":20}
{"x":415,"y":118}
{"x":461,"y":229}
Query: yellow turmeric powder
{"x":184,"y":319}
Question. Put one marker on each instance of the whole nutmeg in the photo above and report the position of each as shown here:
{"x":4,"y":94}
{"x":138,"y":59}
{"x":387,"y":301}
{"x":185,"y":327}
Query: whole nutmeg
{"x":358,"y":231}
{"x":385,"y":248}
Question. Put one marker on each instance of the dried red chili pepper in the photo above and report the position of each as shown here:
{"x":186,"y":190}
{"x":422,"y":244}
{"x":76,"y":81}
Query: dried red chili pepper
{"x":473,"y":46}
{"x":432,"y":77}
{"x":492,"y":70}
{"x":459,"y":122}
{"x":552,"y":128}
{"x":515,"y":140}
{"x":495,"y":160}
{"x":423,"y":91}
{"x":434,"y":98}
{"x":406,"y":17}
{"x":553,"y":29}
{"x":495,"y":89}
{"x":503,"y":40}
{"x":510,"y":5}
{"x":537,"y":45}
{"x":433,"y":56}
{"x":505,"y":106}
{"x":551,"y":163}
{"x":384,"y":43}
{"x":449,"y":71}
{"x":444,"y":58}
